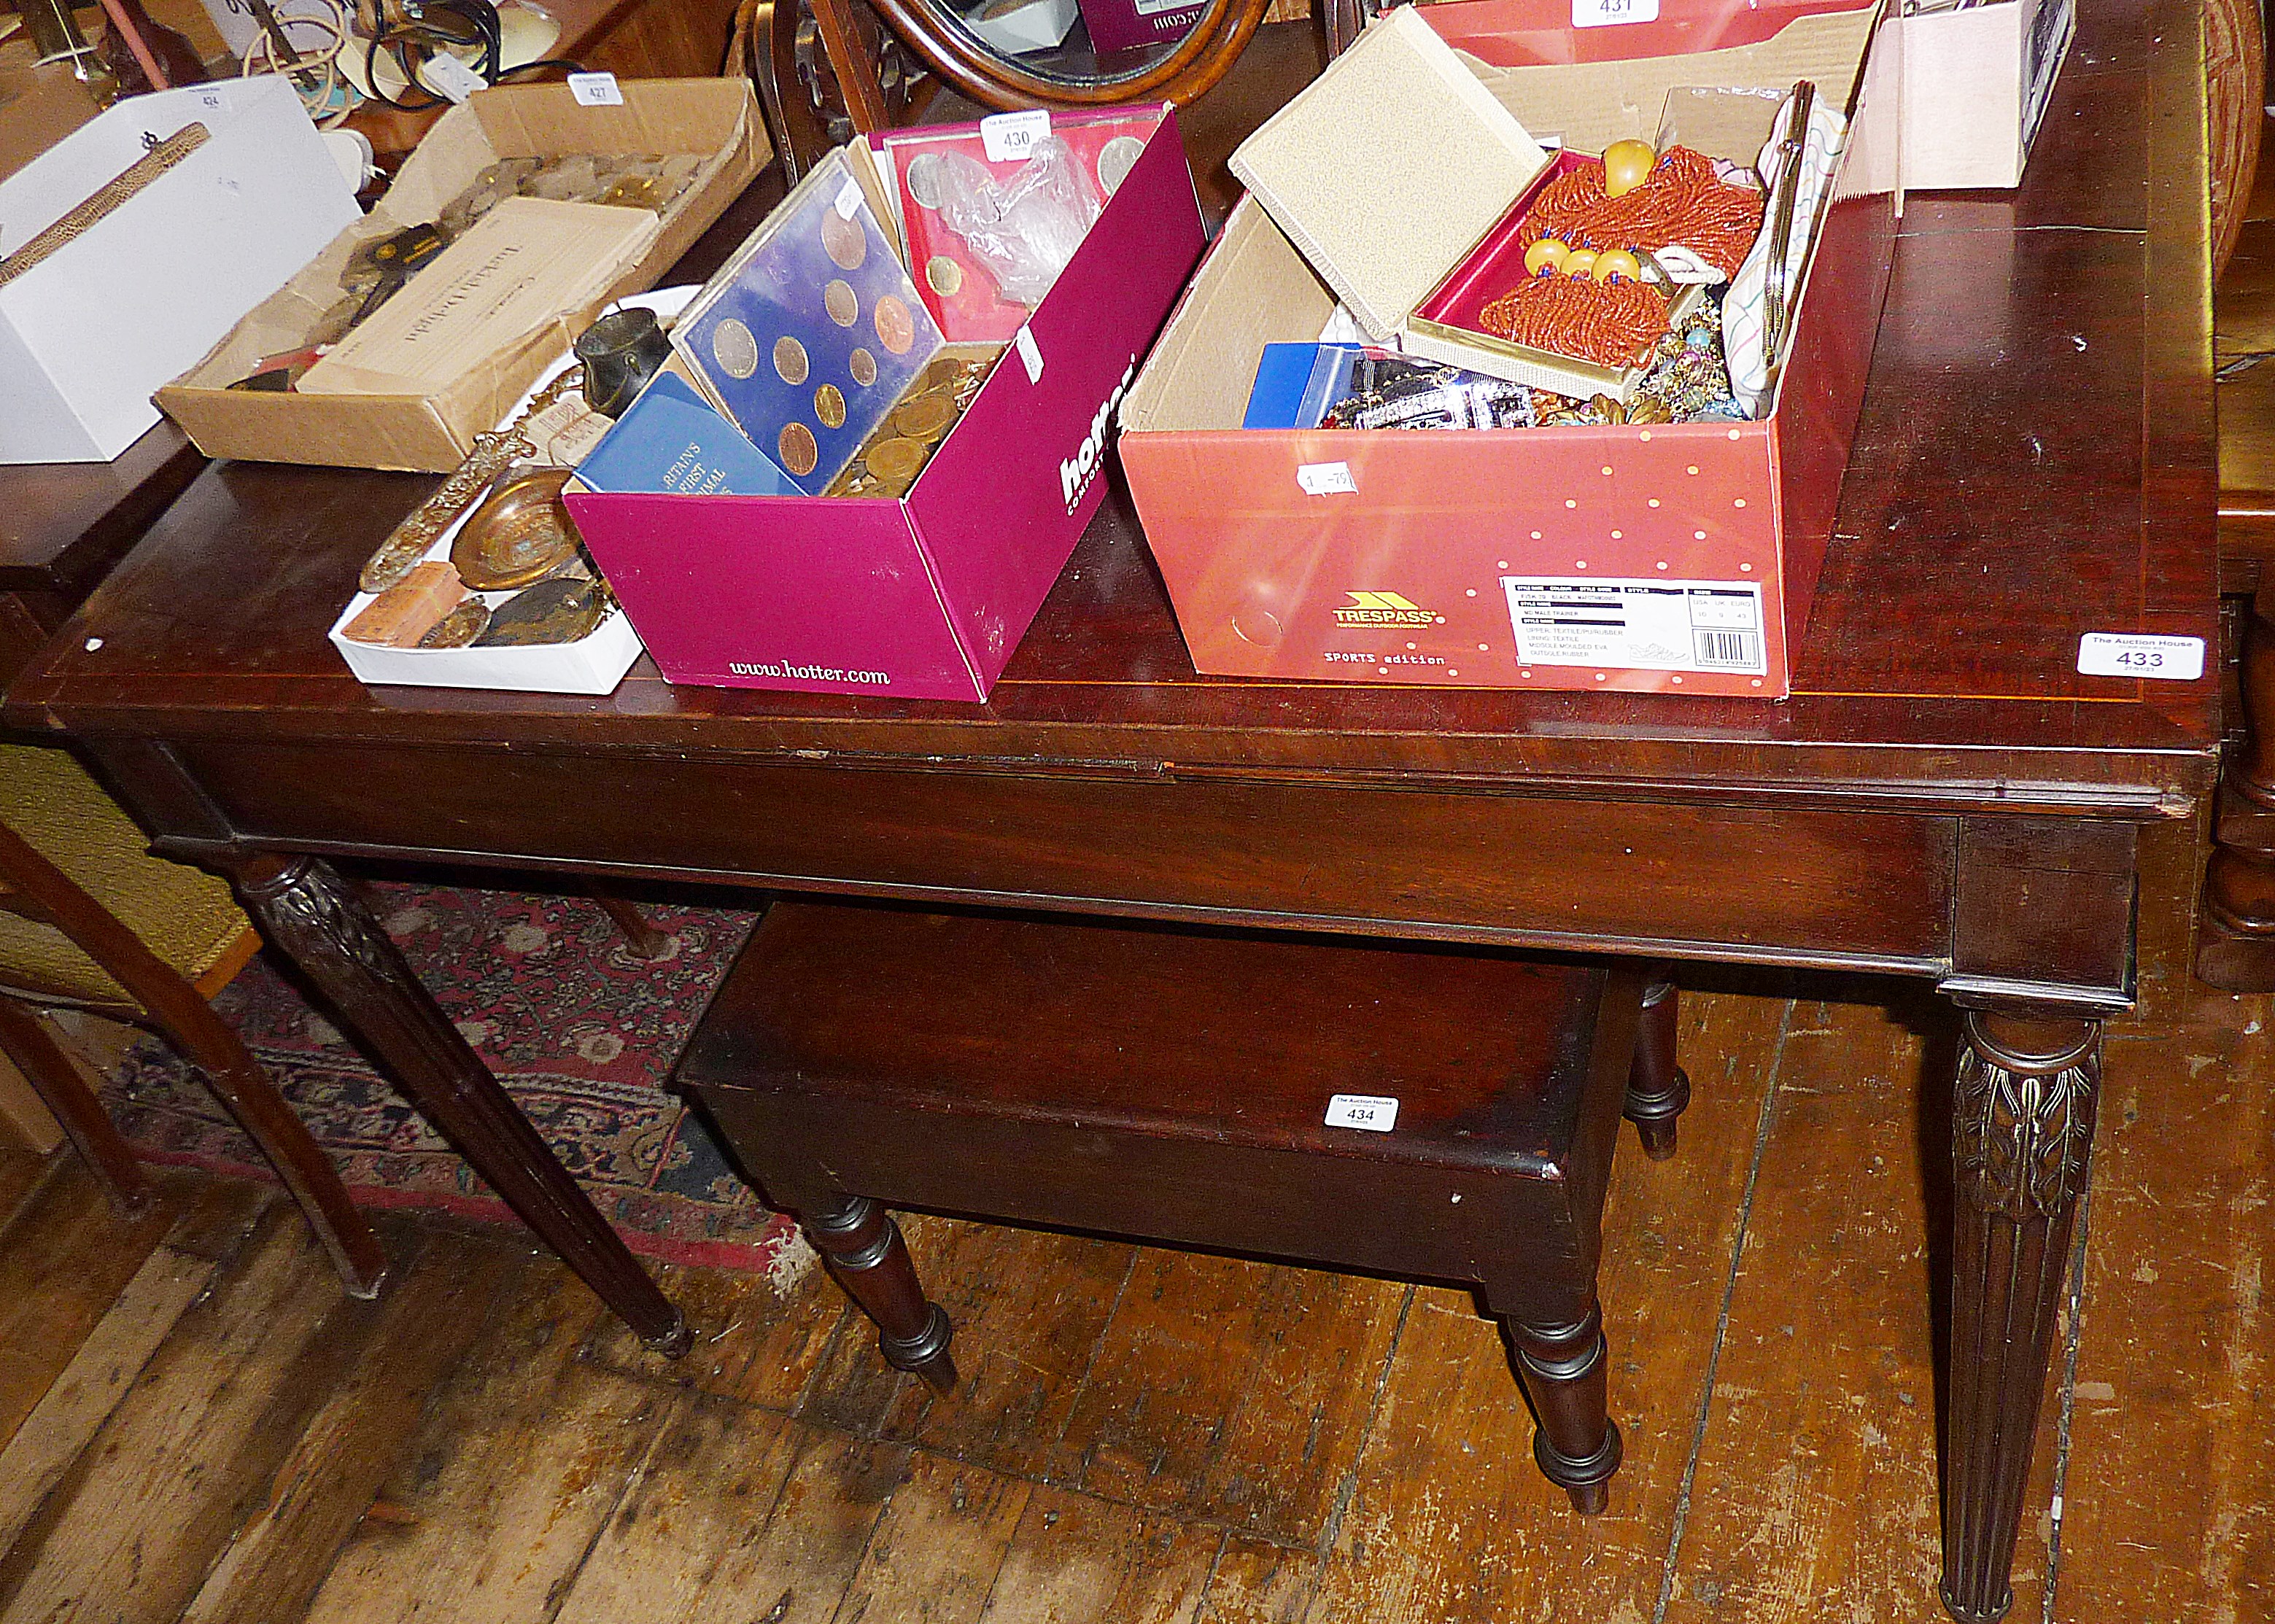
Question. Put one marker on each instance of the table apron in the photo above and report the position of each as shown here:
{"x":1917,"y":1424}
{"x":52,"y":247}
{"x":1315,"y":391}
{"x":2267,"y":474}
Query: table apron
{"x":1833,"y":887}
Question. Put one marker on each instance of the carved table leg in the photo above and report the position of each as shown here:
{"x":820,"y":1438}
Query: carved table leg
{"x":862,"y":1247}
{"x":2235,"y":941}
{"x":1576,"y":1445}
{"x":302,"y":907}
{"x":2022,"y":1124}
{"x":1658,"y":1090}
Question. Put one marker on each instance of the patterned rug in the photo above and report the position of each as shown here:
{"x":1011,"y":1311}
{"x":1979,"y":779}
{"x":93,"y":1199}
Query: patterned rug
{"x":582,"y":1033}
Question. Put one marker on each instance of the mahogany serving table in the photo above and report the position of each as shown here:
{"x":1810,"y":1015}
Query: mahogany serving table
{"x":1944,"y":797}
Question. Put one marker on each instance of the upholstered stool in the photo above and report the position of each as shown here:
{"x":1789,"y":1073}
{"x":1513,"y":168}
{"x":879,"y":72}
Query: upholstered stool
{"x":1415,"y":1111}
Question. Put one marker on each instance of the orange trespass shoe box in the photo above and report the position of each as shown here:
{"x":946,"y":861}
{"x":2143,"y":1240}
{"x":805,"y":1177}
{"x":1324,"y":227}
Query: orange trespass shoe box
{"x":1676,"y":558}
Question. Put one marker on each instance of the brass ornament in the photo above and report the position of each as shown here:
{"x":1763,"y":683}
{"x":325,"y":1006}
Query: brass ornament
{"x":564,"y":611}
{"x":460,"y":627}
{"x":520,"y":534}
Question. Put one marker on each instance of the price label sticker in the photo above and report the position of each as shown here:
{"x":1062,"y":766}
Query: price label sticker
{"x":1606,"y":13}
{"x":1031,"y":355}
{"x":448,"y":77}
{"x":1010,"y":136}
{"x":1327,"y":479}
{"x":596,"y":89}
{"x":1373,"y":1113}
{"x":849,"y":198}
{"x":2140,"y":653}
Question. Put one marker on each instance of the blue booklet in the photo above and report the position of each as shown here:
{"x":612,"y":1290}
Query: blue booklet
{"x":670,"y":442}
{"x":1296,"y":384}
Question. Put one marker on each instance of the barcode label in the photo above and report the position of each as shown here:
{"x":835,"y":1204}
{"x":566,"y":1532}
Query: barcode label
{"x":1637,"y":623}
{"x":1733,"y":650}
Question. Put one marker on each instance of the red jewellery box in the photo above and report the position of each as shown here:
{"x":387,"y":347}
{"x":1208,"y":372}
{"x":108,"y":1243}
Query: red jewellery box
{"x":1674,"y":558}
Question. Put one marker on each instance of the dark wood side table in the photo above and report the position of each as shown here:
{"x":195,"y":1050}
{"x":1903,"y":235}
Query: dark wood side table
{"x":63,"y":526}
{"x":1944,"y":798}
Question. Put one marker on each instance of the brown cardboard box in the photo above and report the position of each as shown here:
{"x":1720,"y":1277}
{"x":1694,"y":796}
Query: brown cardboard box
{"x":434,"y":431}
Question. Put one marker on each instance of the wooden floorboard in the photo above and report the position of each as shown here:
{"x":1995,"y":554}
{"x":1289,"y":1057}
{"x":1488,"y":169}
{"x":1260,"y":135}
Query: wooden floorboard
{"x":199,"y":1426}
{"x":2170,"y":1505}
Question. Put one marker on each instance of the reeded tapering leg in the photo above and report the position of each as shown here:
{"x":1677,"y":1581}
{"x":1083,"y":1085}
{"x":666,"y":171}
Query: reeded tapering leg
{"x":2235,"y":938}
{"x":304,"y":909}
{"x":78,"y":1111}
{"x":1658,"y":1090}
{"x":2021,"y":1126}
{"x":862,"y":1247}
{"x":1576,"y":1445}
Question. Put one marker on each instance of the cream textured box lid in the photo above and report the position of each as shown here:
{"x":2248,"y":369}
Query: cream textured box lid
{"x":1389,"y":168}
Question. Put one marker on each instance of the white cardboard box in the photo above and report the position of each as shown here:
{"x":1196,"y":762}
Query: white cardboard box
{"x":88,"y":333}
{"x":1976,"y":80}
{"x":593,"y":664}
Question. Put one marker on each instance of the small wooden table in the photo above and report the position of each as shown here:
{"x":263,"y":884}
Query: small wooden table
{"x":63,"y":526}
{"x":1944,"y":796}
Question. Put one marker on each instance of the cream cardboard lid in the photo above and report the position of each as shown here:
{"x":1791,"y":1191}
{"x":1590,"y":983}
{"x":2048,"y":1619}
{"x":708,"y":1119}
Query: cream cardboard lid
{"x":1389,"y":168}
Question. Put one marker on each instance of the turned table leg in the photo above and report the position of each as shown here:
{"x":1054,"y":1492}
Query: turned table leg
{"x":304,"y":909}
{"x":2236,"y":938}
{"x":1577,"y":1443}
{"x":862,"y":1247}
{"x":2022,"y":1125}
{"x":1658,"y":1090}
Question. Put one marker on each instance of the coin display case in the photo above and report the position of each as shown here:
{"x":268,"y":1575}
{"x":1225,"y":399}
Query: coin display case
{"x":957,"y":287}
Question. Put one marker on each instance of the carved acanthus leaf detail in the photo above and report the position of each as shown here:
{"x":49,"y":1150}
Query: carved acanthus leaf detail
{"x":2021,"y":1135}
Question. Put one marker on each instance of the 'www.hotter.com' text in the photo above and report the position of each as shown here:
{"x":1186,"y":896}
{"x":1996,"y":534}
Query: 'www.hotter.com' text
{"x":811,"y":672}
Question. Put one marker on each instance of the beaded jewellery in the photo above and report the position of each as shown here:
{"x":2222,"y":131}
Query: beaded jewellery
{"x":1585,"y":241}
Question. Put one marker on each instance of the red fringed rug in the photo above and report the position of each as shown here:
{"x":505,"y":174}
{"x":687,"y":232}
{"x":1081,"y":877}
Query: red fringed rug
{"x":582,"y":1033}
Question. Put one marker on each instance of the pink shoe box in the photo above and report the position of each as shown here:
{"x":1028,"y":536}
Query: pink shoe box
{"x":924,"y":597}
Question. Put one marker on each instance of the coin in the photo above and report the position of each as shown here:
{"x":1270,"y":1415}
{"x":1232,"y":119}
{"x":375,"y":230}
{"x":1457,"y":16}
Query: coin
{"x":458,"y":628}
{"x":896,"y":329}
{"x":863,"y":365}
{"x":926,"y":418}
{"x":799,"y":453}
{"x":945,"y":275}
{"x":895,"y":460}
{"x":842,"y":303}
{"x":924,"y":179}
{"x":829,"y":406}
{"x":734,"y":349}
{"x":942,"y":373}
{"x":844,"y":240}
{"x":789,"y":359}
{"x":562,"y":610}
{"x":1115,"y":160}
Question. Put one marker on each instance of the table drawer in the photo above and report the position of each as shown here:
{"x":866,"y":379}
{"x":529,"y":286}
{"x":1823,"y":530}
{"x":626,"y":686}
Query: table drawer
{"x":1836,"y":887}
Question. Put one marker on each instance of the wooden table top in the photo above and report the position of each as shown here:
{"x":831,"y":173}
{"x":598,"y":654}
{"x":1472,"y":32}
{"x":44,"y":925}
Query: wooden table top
{"x":2035,"y":460}
{"x":63,"y":524}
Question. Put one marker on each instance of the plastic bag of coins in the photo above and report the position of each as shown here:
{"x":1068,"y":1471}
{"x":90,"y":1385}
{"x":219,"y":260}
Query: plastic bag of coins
{"x":889,"y":460}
